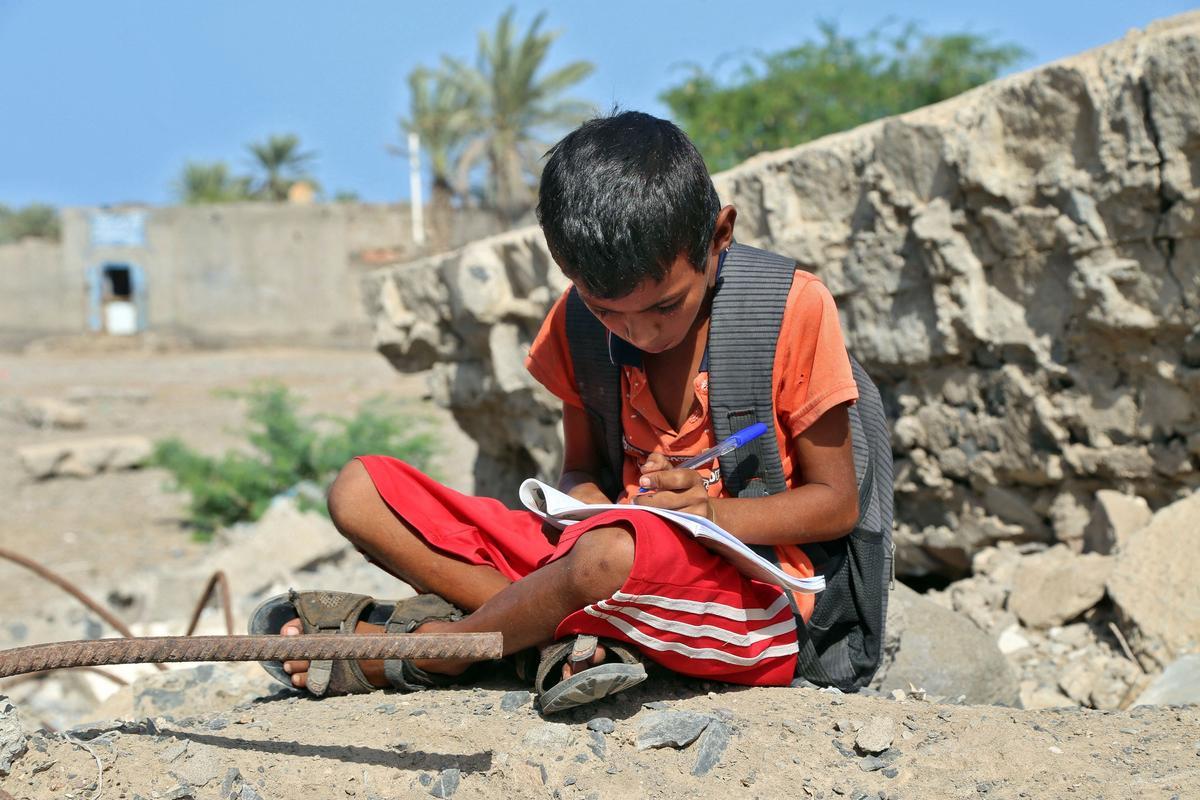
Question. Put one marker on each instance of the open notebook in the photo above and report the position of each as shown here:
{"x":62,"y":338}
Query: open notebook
{"x":562,"y":510}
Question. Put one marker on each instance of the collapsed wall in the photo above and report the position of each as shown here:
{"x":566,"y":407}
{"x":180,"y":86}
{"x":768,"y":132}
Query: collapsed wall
{"x":1018,"y":267}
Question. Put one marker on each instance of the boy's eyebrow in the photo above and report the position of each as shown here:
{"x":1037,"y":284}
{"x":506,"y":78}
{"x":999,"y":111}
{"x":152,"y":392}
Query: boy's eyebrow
{"x":665,"y":301}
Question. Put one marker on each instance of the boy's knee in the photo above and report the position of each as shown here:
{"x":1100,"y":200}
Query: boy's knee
{"x":601,"y":561}
{"x":346,"y":496}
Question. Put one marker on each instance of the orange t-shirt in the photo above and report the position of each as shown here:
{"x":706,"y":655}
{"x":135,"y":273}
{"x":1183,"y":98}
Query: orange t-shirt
{"x":811,"y":374}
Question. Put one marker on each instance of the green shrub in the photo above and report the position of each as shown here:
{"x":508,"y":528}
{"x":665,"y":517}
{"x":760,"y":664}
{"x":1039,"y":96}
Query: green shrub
{"x":286,"y":448}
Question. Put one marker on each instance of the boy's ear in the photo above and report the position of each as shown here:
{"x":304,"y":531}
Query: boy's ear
{"x":723,"y":230}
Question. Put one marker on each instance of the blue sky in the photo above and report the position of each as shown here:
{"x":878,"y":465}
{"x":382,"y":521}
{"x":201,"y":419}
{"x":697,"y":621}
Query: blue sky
{"x":103,"y":102}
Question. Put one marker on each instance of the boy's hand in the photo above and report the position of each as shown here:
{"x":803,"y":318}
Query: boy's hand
{"x":674,"y":489}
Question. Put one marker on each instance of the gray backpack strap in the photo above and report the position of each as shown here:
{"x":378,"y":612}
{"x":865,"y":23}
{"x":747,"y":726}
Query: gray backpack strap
{"x":598,"y":380}
{"x":746,"y":315}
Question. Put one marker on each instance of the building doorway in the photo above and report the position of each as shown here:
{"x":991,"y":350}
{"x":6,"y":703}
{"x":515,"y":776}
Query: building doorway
{"x":117,"y":299}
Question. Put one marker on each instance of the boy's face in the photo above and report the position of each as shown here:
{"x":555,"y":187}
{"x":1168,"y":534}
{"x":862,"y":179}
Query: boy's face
{"x":656,"y":316}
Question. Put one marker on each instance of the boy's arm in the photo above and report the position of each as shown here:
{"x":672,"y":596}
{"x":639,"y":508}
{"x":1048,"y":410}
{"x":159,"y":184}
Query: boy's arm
{"x":825,"y":507}
{"x":580,"y":453}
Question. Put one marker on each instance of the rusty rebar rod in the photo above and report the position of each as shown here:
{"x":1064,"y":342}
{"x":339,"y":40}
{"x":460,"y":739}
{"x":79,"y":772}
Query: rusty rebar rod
{"x":311,"y":647}
{"x":68,"y":587}
{"x":216,"y":581}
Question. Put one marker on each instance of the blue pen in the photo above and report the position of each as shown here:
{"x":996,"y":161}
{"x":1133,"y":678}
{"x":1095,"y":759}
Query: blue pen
{"x":745,"y":435}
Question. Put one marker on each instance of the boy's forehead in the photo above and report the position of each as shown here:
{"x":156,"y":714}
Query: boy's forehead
{"x":679,"y":280}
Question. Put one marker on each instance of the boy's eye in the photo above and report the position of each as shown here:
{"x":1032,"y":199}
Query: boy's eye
{"x":669,"y":309}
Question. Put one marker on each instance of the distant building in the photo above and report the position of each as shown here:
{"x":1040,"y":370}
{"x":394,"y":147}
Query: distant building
{"x":217,"y":274}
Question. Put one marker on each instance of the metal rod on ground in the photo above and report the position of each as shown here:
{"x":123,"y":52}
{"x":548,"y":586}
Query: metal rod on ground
{"x":218,"y":580}
{"x":310,"y":647}
{"x":71,"y":589}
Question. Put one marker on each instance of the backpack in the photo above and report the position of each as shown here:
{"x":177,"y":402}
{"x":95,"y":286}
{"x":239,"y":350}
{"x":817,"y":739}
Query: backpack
{"x":842,"y":644}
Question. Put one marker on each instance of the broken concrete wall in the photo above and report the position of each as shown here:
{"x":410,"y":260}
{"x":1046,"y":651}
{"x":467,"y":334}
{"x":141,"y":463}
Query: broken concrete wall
{"x":1018,"y":267}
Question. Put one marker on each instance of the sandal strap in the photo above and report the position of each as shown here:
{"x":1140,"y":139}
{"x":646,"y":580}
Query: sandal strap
{"x":332,"y":612}
{"x":408,"y":615}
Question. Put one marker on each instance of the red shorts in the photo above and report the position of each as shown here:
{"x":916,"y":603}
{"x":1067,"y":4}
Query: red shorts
{"x":682,"y":606}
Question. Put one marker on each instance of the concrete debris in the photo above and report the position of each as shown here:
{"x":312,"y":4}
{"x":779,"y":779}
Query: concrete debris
{"x":876,"y":735}
{"x":1179,"y":684}
{"x":1056,"y":586}
{"x":83,"y":458}
{"x":1115,"y":517}
{"x":48,"y":412}
{"x":1155,"y":590}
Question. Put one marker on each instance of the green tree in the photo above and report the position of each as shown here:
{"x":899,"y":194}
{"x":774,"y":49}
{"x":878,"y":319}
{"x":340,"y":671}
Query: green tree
{"x":512,"y":104}
{"x":280,"y":163}
{"x":210,"y":182}
{"x":34,"y":221}
{"x":827,"y":85}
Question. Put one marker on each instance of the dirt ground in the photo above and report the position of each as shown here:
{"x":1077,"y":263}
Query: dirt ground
{"x":95,"y":529}
{"x":484,"y":742}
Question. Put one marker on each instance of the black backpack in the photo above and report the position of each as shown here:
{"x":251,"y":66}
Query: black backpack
{"x":842,"y":644}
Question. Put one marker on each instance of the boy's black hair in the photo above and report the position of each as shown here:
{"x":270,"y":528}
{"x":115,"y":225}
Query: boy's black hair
{"x":621,"y":197}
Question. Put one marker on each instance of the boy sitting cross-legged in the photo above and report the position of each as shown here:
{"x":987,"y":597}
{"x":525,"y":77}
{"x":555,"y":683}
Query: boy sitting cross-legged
{"x":631,"y":217}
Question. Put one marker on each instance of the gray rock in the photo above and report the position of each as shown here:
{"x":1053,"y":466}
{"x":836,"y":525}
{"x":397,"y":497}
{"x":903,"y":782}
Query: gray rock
{"x":49,"y":412}
{"x":942,"y":652}
{"x":597,"y":744}
{"x":1056,"y":586}
{"x":85,"y":457}
{"x":548,"y":736}
{"x":1154,"y":590}
{"x":248,"y":792}
{"x":232,"y":777}
{"x":711,"y":746}
{"x":13,"y":743}
{"x":1178,"y":684}
{"x":446,"y":783}
{"x":601,"y":724}
{"x":876,"y":735}
{"x":511,"y":701}
{"x":671,"y":729}
{"x":1115,"y":517}
{"x":871,"y":764}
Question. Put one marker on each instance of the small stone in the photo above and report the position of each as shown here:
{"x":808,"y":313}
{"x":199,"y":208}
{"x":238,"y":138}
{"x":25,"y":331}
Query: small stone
{"x":511,"y":701}
{"x":876,"y":735}
{"x":13,"y":743}
{"x":597,"y":744}
{"x":570,"y":780}
{"x":944,"y":715}
{"x":548,"y":737}
{"x":793,"y":726}
{"x":249,"y":793}
{"x":217,"y":724}
{"x":890,"y":772}
{"x":657,"y":705}
{"x":846,"y":725}
{"x":425,"y":778}
{"x":417,"y":712}
{"x":712,"y":745}
{"x":1056,"y":750}
{"x":387,"y":708}
{"x":983,"y":787}
{"x":870,"y":764}
{"x":233,"y":776}
{"x":601,"y":724}
{"x":446,"y":783}
{"x":671,"y":729}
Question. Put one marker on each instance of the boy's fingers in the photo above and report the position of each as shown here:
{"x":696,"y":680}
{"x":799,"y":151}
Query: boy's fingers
{"x":655,"y":462}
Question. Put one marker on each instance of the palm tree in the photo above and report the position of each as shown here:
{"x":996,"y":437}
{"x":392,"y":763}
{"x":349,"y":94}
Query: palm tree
{"x":210,"y":182}
{"x":440,"y":114}
{"x":512,"y":106}
{"x":281,"y":163}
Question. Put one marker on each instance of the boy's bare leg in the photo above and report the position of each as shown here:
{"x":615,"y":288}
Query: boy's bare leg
{"x":525,"y":612}
{"x":363,"y":517}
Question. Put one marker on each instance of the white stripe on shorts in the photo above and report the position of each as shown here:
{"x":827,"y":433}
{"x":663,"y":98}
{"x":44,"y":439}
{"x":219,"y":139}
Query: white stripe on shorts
{"x":697,"y":607}
{"x":706,"y":631}
{"x":712,"y":654}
